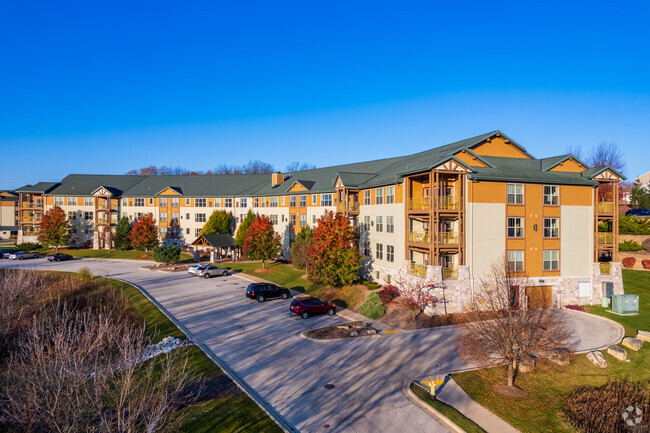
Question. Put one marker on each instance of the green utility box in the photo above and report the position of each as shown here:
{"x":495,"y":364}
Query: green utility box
{"x":605,"y":302}
{"x":625,"y":304}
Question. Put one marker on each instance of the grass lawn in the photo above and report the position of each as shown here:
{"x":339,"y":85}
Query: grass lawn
{"x":456,"y":417}
{"x":548,"y":388}
{"x":112,"y":254}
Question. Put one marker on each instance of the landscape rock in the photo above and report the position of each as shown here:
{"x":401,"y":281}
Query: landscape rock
{"x":633,"y":343}
{"x":342,"y":326}
{"x":165,"y":346}
{"x":597,"y":358}
{"x":643,"y":335}
{"x":354,"y":334}
{"x":527,"y":365}
{"x":560,"y":357}
{"x":617,"y":352}
{"x":371,"y":331}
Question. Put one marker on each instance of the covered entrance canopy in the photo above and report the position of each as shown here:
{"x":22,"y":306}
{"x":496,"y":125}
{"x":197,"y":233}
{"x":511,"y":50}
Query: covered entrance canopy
{"x":222,"y":244}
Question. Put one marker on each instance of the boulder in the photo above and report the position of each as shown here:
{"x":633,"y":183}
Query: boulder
{"x":597,"y":358}
{"x":643,"y":335}
{"x":354,"y":334}
{"x":560,"y":357}
{"x":633,"y":343}
{"x":527,"y":365}
{"x":371,"y":331}
{"x":617,"y":352}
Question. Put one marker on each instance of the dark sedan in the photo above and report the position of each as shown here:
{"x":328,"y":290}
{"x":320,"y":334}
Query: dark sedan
{"x":264,"y":291}
{"x":58,"y":257}
{"x":305,"y":307}
{"x":4,"y":254}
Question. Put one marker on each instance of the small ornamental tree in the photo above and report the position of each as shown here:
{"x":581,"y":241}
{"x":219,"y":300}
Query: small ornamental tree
{"x":243,"y":228}
{"x":54,"y":228}
{"x":416,"y":294}
{"x":333,"y":258}
{"x":220,"y":222}
{"x":144,"y":234}
{"x":122,"y":231}
{"x":261,"y":241}
{"x":300,"y":247}
{"x":167,"y":254}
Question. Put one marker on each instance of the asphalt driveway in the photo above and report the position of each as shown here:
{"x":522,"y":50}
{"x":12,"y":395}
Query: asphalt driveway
{"x":261,"y":343}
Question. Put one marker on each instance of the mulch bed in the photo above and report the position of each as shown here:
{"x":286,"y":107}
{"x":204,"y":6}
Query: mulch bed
{"x":341,"y":331}
{"x":398,"y":316}
{"x":510,"y":391}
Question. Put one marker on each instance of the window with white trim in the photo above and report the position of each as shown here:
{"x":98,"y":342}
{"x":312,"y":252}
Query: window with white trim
{"x":303,"y":220}
{"x":379,"y":196}
{"x":175,"y":202}
{"x":256,"y":202}
{"x":197,"y":232}
{"x":366,"y":223}
{"x":244,"y":202}
{"x":326,"y":199}
{"x":551,"y":195}
{"x":138,"y":201}
{"x":292,"y":201}
{"x":200,"y":202}
{"x":72,"y":215}
{"x":273,"y":218}
{"x":366,"y":197}
{"x":175,"y":217}
{"x":390,"y":224}
{"x":88,"y":201}
{"x":303,"y":201}
{"x":163,"y":217}
{"x":314,"y":199}
{"x":163,"y":232}
{"x":273,"y":202}
{"x":199,"y":218}
{"x":390,"y":194}
{"x":162,"y":202}
{"x":88,"y":215}
{"x":515,"y":227}
{"x":379,"y":251}
{"x":188,"y":202}
{"x":379,"y":225}
{"x":516,"y":261}
{"x":390,"y":253}
{"x":551,"y":227}
{"x":58,"y":201}
{"x":515,"y":193}
{"x":151,"y":201}
{"x":72,"y":201}
{"x":227,"y":202}
{"x":551,"y":260}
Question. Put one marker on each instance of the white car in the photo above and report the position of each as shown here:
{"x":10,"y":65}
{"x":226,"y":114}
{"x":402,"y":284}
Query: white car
{"x":195,"y":268}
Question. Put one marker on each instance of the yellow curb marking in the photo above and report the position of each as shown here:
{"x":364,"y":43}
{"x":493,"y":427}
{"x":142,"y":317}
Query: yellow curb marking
{"x":393,"y":331}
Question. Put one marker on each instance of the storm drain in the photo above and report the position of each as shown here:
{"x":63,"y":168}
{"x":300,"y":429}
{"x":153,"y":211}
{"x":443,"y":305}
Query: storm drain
{"x":329,"y":386}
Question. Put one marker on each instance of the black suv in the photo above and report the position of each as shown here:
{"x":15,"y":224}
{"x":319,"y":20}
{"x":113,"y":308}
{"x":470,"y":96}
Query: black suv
{"x":263,"y":291}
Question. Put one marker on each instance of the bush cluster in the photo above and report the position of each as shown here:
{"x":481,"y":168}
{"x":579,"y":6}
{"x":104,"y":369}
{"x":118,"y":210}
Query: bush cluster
{"x":387,"y":294}
{"x":167,"y":254}
{"x":373,"y":308}
{"x":371,"y":285}
{"x":630,"y":246}
{"x":28,"y":246}
{"x":631,"y":225}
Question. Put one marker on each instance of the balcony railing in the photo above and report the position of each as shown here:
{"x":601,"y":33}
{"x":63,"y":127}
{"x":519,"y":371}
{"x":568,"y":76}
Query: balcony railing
{"x":30,"y":233}
{"x":32,"y":219}
{"x":448,"y":203}
{"x":448,"y":238}
{"x":351,"y":207}
{"x":32,"y":205}
{"x":419,"y":236}
{"x":605,"y":268}
{"x":605,"y":207}
{"x":605,"y":238}
{"x":450,"y":273}
{"x":419,"y":270}
{"x":419,"y":203}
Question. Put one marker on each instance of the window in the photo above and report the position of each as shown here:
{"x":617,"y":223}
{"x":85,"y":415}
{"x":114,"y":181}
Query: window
{"x":516,"y":261}
{"x":263,"y":202}
{"x":162,"y":202}
{"x":313,"y":219}
{"x":72,"y":215}
{"x":199,"y":202}
{"x":515,"y":193}
{"x":175,"y":217}
{"x":314,"y":199}
{"x":244,"y":202}
{"x":175,"y":202}
{"x":390,"y":224}
{"x":366,"y":223}
{"x":124,"y":202}
{"x":326,"y":199}
{"x":551,"y":195}
{"x":88,"y":215}
{"x":515,"y":227}
{"x":227,"y":202}
{"x":303,"y":201}
{"x":163,"y":217}
{"x":379,"y":196}
{"x":72,"y":201}
{"x":58,"y":201}
{"x":188,"y":202}
{"x":379,"y":251}
{"x":187,"y":231}
{"x":150,"y":201}
{"x":256,"y":202}
{"x":303,"y":220}
{"x":199,"y":218}
{"x":197,"y":232}
{"x":273,"y":202}
{"x":551,"y":260}
{"x":390,"y":194}
{"x":366,"y":248}
{"x":366,"y":197}
{"x":380,"y":224}
{"x":292,"y":201}
{"x":163,"y":231}
{"x":89,"y":230}
{"x":273,"y":218}
{"x":292,"y":219}
{"x":551,"y":227}
{"x":88,"y":201}
{"x":138,"y":202}
{"x":390,"y":253}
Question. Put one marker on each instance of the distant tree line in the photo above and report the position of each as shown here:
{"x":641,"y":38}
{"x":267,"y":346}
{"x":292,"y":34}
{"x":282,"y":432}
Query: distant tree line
{"x":252,"y":167}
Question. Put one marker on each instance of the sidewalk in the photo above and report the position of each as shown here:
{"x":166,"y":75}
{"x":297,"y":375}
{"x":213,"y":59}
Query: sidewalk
{"x":453,"y":395}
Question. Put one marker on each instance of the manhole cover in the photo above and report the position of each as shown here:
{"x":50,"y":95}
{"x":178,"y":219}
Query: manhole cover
{"x":326,"y":426}
{"x":329,"y":386}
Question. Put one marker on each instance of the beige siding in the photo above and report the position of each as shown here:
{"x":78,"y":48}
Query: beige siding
{"x":486,"y":236}
{"x":576,"y":240}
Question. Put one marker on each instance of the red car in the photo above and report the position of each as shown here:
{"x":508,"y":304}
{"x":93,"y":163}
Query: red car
{"x":305,"y":307}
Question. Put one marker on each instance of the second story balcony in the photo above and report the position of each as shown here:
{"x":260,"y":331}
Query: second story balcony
{"x":605,"y":207}
{"x":421,"y":203}
{"x":352,"y":206}
{"x":448,"y":203}
{"x":605,"y":238}
{"x":421,"y":237}
{"x":448,"y":238}
{"x":32,"y":204}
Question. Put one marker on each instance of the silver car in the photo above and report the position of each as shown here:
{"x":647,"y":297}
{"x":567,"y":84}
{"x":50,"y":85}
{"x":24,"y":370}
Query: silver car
{"x":211,"y":271}
{"x":194,"y":268}
{"x":20,"y":255}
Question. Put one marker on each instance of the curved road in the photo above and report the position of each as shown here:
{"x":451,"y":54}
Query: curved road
{"x":261,"y":343}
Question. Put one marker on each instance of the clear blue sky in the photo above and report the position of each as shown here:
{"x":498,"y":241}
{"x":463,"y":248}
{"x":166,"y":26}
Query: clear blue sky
{"x":104,"y":87}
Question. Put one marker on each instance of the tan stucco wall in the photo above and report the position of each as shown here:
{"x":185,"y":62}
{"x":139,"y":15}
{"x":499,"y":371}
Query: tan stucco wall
{"x":486,"y":236}
{"x":576,"y":240}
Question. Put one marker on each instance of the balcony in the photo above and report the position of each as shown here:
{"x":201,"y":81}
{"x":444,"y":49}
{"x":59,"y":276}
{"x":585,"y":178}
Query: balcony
{"x":605,"y":207}
{"x":448,"y":238}
{"x":30,"y":233}
{"x":32,"y":205}
{"x":419,"y":270}
{"x":605,"y":238}
{"x":449,"y":273}
{"x":421,"y":237}
{"x":448,"y":203}
{"x":419,"y":203}
{"x":351,"y":207}
{"x":32,"y":219}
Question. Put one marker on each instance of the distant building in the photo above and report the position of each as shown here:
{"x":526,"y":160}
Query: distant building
{"x":644,"y":180}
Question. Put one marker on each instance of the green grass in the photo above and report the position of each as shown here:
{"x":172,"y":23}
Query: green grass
{"x":112,"y":254}
{"x":549,"y":386}
{"x":456,"y":417}
{"x":373,"y":308}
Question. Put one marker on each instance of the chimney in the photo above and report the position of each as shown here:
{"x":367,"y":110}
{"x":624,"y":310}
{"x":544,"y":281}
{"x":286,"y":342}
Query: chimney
{"x":277,"y":178}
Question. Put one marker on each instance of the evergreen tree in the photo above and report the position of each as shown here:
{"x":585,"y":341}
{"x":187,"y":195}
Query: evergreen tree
{"x":122,"y":231}
{"x":243,"y":228}
{"x":144,"y":234}
{"x":220,"y":222}
{"x":54,"y":228}
{"x":640,"y":196}
{"x":300,"y":247}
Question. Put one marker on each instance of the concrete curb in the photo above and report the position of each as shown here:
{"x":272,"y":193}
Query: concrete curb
{"x":410,"y":395}
{"x":621,"y":330}
{"x":247,"y":389}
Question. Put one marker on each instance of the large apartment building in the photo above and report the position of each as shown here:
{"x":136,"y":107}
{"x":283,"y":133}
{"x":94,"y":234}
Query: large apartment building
{"x":8,"y":214}
{"x":444,"y":215}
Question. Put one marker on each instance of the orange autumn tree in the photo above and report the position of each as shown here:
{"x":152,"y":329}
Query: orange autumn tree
{"x":54,"y":228}
{"x":144,"y":233}
{"x":333,"y":258}
{"x":261,"y":242}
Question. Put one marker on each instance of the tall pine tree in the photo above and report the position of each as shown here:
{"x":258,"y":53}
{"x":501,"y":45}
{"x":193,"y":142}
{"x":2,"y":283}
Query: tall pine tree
{"x":122,"y":241}
{"x":243,"y":228}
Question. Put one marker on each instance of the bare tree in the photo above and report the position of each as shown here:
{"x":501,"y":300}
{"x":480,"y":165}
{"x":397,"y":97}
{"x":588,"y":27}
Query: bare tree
{"x":415,"y":293}
{"x":506,"y":331}
{"x":575,"y":151}
{"x":299,"y":166}
{"x":257,"y":167}
{"x":18,"y":291}
{"x":607,"y":153}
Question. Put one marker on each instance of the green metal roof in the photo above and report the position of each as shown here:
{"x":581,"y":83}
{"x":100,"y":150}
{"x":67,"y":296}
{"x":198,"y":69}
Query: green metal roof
{"x":217,"y":240}
{"x":87,"y":184}
{"x":42,"y":187}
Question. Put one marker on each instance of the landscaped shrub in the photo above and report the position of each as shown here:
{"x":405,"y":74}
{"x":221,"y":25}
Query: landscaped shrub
{"x":629,"y":246}
{"x":611,"y":408}
{"x":373,"y":307}
{"x":646,"y":264}
{"x":629,"y":262}
{"x":631,"y":225}
{"x":167,"y":254}
{"x":371,"y":285}
{"x":28,"y":246}
{"x":387,"y":294}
